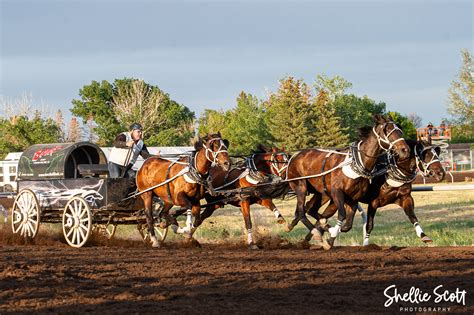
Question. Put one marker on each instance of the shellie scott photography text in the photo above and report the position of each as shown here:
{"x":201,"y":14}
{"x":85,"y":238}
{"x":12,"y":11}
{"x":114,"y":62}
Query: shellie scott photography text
{"x":438,"y":299}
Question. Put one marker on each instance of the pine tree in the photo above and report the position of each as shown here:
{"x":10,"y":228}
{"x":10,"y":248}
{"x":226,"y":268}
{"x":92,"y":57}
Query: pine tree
{"x":290,"y":115}
{"x":247,"y":126}
{"x":329,"y":132}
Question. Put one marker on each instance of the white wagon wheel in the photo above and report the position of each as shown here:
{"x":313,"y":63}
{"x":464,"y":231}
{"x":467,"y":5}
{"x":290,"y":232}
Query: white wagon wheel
{"x":26,"y":214}
{"x":77,"y":221}
{"x":160,"y":232}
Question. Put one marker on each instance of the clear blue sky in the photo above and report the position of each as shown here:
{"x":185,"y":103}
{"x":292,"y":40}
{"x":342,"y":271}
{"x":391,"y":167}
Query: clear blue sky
{"x":203,"y":53}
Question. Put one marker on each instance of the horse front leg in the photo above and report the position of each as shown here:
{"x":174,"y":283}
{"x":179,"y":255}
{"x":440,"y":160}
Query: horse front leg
{"x":339,"y":200}
{"x":300,"y":212}
{"x":312,"y":208}
{"x":408,"y":206}
{"x":350,"y":211}
{"x":268,"y":203}
{"x":245,"y":207}
{"x":148,"y":201}
{"x":369,"y":225}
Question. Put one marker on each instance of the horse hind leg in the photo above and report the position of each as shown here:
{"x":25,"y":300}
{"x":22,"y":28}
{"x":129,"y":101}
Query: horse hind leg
{"x":148,"y":201}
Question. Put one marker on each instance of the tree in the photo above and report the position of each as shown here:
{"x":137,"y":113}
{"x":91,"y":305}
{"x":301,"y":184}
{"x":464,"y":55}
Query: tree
{"x":113,"y":107}
{"x":247,"y":126}
{"x":333,"y":87}
{"x":20,"y":132}
{"x":74,"y":131}
{"x":329,"y":132}
{"x":416,"y":120}
{"x":356,"y":112}
{"x":213,"y":121}
{"x":59,"y":120}
{"x":460,"y":101}
{"x":290,"y":115}
{"x":409,"y":130}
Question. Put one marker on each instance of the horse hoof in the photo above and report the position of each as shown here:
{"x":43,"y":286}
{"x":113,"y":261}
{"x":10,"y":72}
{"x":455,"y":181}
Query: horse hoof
{"x":426,"y":239}
{"x":281,"y":220}
{"x":156,"y":244}
{"x":253,"y":247}
{"x":308,"y":237}
{"x":316,"y":247}
{"x":329,"y":243}
{"x":289,"y":227}
{"x":163,"y":224}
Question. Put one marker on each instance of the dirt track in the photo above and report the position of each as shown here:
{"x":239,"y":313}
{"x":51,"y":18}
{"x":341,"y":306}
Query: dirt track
{"x":128,"y":277}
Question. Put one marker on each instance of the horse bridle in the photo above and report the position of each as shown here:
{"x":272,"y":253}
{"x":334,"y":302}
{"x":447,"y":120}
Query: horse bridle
{"x":419,"y":159}
{"x":385,"y":139}
{"x":215,"y":160}
{"x":276,"y":170}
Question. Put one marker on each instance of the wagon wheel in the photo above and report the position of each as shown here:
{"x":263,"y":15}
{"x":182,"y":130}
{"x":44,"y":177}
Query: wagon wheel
{"x":107,"y":230}
{"x":77,"y":222}
{"x":26,"y":214}
{"x":160,"y":232}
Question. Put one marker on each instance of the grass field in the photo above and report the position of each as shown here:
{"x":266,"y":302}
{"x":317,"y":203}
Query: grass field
{"x":447,"y":217}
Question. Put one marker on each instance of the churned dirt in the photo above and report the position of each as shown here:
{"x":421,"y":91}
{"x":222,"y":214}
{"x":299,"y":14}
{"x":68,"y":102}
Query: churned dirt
{"x":129,"y":277}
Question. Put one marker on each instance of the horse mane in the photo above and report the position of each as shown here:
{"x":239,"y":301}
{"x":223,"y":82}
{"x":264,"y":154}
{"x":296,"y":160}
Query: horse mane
{"x":261,"y":149}
{"x":364,"y":132}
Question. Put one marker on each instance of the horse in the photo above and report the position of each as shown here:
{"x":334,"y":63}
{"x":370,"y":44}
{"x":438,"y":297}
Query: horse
{"x":255,"y":171}
{"x":343,"y":176}
{"x":394,"y":187}
{"x":186,"y":180}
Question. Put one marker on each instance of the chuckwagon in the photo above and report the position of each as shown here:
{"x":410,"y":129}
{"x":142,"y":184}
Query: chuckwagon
{"x":68,"y":183}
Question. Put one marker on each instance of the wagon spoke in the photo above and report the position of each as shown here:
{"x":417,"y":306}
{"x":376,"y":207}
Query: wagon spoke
{"x":69,"y":233}
{"x":82,"y":233}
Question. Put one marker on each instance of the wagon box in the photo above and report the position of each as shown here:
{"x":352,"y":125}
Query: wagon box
{"x":68,"y":183}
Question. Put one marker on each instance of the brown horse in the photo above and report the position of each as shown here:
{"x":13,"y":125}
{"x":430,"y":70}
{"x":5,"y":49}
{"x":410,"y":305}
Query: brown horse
{"x":343,"y":176}
{"x":186,"y":179}
{"x":262,"y":163}
{"x":393,"y":187}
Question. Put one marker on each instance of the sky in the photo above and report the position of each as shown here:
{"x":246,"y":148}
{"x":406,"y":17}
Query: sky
{"x":203,"y":53}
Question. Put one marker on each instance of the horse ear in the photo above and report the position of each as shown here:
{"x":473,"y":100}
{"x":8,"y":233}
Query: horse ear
{"x":226,"y":143}
{"x":274,"y":150}
{"x":379,"y":119}
{"x":219,"y":134}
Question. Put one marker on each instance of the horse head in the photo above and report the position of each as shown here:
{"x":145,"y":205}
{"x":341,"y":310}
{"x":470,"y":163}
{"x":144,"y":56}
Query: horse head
{"x":270,"y":160}
{"x":390,"y":137}
{"x":215,"y":149}
{"x":427,"y":158}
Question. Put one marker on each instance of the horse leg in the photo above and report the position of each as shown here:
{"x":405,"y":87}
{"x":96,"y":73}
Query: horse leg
{"x":268,"y":203}
{"x":208,"y":211}
{"x":408,"y":206}
{"x":300,"y":213}
{"x":312,"y":207}
{"x":148,"y":201}
{"x":338,"y":198}
{"x":371,"y":210}
{"x":245,"y":207}
{"x":351,"y":211}
{"x":184,"y":203}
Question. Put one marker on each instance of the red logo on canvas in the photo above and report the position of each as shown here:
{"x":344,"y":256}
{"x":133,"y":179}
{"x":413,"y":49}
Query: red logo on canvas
{"x":42,"y":153}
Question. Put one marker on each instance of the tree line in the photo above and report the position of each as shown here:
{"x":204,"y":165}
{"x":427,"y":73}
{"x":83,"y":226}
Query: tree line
{"x":297,"y":115}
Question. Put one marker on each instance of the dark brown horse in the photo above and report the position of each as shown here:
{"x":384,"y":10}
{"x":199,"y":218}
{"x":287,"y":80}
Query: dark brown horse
{"x":264,"y":162}
{"x":343,"y":176}
{"x":186,"y":180}
{"x":394,"y":187}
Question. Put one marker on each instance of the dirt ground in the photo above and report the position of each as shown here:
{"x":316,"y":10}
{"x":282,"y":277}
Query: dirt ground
{"x":125,"y":276}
